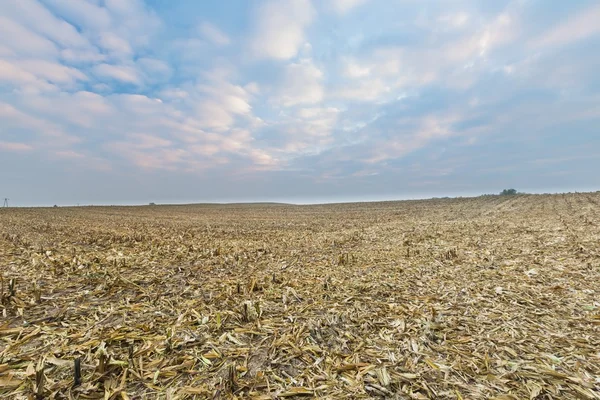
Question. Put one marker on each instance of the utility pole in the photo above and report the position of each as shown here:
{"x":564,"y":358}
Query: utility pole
{"x":6,"y":199}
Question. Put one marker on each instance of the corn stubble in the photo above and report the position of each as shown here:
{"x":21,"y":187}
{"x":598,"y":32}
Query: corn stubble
{"x":480,"y":298}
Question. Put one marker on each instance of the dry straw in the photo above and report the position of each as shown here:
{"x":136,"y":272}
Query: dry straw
{"x":484,"y":298}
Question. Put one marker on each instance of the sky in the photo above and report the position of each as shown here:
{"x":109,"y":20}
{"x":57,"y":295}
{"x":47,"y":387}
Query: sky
{"x":133,"y":101}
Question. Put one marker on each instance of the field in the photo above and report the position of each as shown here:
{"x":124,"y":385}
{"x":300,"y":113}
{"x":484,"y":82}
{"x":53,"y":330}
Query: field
{"x":473,"y":298}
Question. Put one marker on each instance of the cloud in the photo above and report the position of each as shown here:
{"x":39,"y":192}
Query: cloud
{"x":37,"y":18}
{"x":217,"y":103}
{"x":577,"y":27}
{"x":343,"y":6}
{"x":12,"y":74}
{"x":99,"y":83}
{"x":298,"y":133}
{"x":149,"y":132}
{"x":387,"y":70}
{"x":114,"y":44}
{"x":159,"y":158}
{"x":79,"y":56}
{"x":301,"y":84}
{"x":279,"y":28}
{"x":455,"y":20}
{"x":118,"y":27}
{"x":155,"y":70}
{"x":36,"y":129}
{"x":64,"y":110}
{"x":69,"y":154}
{"x":52,"y":72}
{"x":364,"y":90}
{"x":411,"y":135}
{"x":14,"y":146}
{"x":121,"y":73}
{"x":310,"y":129}
{"x":24,"y":41}
{"x":354,"y":70}
{"x":82,"y":13}
{"x":212,"y":33}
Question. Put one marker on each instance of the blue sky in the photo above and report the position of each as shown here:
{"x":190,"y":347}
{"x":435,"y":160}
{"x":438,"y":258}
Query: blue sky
{"x":131,"y":101}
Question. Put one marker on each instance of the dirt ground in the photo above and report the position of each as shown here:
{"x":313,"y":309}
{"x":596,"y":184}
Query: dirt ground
{"x":471,"y":298}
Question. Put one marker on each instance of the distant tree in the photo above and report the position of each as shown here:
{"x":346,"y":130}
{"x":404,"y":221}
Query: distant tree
{"x":152,"y":204}
{"x":508,"y":192}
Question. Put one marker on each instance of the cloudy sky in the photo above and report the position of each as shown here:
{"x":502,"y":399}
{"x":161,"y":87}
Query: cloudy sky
{"x":132,"y":101}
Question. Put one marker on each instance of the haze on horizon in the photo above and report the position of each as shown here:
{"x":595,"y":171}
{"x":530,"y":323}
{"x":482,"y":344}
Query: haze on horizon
{"x":300,"y":101}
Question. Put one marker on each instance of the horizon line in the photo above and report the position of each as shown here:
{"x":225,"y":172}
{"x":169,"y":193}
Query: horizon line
{"x":309,"y":203}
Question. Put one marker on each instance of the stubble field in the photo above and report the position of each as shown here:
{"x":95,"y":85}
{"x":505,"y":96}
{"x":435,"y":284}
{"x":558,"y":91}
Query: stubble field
{"x":474,"y":298}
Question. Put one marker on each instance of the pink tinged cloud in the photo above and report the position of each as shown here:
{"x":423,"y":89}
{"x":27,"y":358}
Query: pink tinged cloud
{"x":15,"y":147}
{"x":577,"y":27}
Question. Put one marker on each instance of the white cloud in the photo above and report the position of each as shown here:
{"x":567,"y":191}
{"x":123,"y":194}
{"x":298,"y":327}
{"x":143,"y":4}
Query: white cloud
{"x":205,"y":149}
{"x":387,"y":70}
{"x":146,"y":141}
{"x":279,"y":31}
{"x":364,"y":90}
{"x":302,"y":84}
{"x":89,"y":102}
{"x":316,"y":112}
{"x":121,"y":73}
{"x":155,"y":70}
{"x":77,"y":56}
{"x":23,"y":41}
{"x":577,"y":27}
{"x":315,"y":124}
{"x":82,"y":109}
{"x":343,"y":6}
{"x":412,"y":133}
{"x":114,"y":44}
{"x":213,"y":115}
{"x":303,"y":131}
{"x":52,"y":72}
{"x":124,"y":8}
{"x":354,"y":70}
{"x":214,"y":102}
{"x":501,"y":31}
{"x":212,"y":33}
{"x":225,"y":115}
{"x":252,"y":88}
{"x":82,"y":13}
{"x":263,"y":159}
{"x":455,"y":20}
{"x":175,"y":93}
{"x":23,"y":80}
{"x":51,"y":134}
{"x":120,"y":27}
{"x":13,"y":74}
{"x":37,"y":18}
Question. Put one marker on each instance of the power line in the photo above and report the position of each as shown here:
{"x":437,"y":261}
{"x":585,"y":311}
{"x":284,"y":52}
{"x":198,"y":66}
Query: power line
{"x":6,"y":199}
